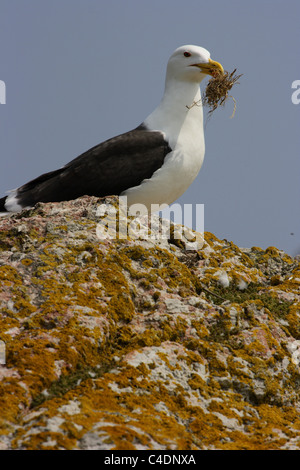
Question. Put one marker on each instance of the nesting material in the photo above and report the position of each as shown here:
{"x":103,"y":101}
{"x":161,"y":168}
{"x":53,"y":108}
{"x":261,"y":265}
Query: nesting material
{"x":216,"y":92}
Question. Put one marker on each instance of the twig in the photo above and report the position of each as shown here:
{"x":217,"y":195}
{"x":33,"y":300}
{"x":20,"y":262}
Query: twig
{"x":212,"y":293}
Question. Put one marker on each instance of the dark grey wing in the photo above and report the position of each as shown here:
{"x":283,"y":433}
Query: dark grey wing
{"x":2,"y":204}
{"x":106,"y":169}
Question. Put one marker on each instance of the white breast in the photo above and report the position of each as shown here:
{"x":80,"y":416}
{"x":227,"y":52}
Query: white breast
{"x":184,"y":132}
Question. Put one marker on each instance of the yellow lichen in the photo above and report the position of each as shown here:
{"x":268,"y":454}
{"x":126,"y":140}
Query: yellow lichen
{"x":96,"y":307}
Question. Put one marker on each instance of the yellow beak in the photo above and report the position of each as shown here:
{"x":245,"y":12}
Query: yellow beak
{"x":210,"y":68}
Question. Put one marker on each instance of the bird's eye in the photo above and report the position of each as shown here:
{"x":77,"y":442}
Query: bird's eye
{"x":187,"y":54}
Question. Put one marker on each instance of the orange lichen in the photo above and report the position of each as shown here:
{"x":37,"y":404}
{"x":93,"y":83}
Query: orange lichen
{"x":92,"y":349}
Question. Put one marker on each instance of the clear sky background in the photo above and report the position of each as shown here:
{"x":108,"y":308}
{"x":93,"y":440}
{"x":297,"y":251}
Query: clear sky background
{"x":80,"y":71}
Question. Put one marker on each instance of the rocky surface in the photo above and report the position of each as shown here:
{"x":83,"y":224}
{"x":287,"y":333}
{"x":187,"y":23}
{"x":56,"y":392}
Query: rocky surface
{"x":143,"y":343}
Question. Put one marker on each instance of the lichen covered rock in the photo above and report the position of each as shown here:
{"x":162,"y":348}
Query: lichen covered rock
{"x":143,"y":344}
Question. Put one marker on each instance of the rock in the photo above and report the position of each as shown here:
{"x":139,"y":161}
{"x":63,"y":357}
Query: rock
{"x":143,"y":342}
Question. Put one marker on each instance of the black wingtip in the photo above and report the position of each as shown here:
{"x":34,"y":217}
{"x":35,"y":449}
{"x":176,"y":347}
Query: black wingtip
{"x":2,"y":206}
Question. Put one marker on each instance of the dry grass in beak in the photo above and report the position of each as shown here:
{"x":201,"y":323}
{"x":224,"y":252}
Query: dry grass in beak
{"x":216,"y":92}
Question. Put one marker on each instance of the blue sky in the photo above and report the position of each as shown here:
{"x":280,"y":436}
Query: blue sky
{"x":80,"y":71}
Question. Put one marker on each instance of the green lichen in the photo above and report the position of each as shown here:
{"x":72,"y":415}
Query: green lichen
{"x":278,"y":307}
